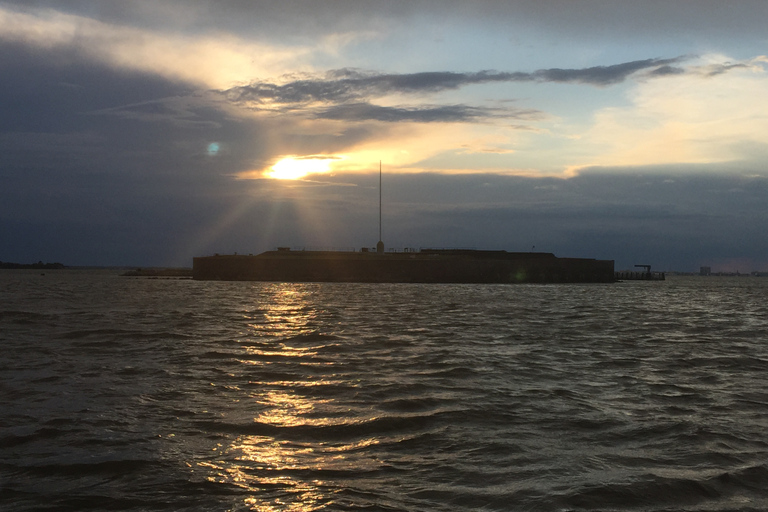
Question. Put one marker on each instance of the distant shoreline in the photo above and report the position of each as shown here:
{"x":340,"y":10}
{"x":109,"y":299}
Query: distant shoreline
{"x":151,"y":272}
{"x":180,"y":273}
{"x":33,"y":266}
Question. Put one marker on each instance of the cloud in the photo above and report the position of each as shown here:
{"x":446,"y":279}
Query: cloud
{"x":705,"y":116}
{"x":212,"y":60}
{"x":421,"y":114}
{"x":347,"y":94}
{"x":359,"y":97}
{"x":182,"y":110}
{"x":124,"y":125}
{"x":667,"y":70}
{"x":318,"y":103}
{"x":601,"y":75}
{"x":600,"y":20}
{"x":719,"y":69}
{"x":110,"y":188}
{"x":345,"y":85}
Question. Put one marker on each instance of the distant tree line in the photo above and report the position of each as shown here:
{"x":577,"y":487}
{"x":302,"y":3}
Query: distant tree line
{"x":37,"y":266}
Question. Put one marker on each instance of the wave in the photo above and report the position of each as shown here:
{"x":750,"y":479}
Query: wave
{"x":341,"y":429}
{"x":409,"y":397}
{"x":651,"y":491}
{"x":19,"y":316}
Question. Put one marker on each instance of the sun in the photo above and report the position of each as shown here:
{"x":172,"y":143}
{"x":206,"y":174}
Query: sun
{"x":294,"y":168}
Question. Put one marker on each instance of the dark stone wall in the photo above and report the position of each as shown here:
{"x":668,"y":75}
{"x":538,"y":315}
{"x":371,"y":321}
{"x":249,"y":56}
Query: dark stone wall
{"x":400,"y":268}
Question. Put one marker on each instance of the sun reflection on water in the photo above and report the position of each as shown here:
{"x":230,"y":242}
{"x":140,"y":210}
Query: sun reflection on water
{"x":286,"y":310}
{"x":289,"y":411}
{"x":286,"y":409}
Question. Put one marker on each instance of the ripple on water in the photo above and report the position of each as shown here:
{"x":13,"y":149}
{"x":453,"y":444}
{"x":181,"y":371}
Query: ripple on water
{"x":138,"y":395}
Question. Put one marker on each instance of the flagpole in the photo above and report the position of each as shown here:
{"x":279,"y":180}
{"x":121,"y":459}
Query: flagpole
{"x":380,"y":245}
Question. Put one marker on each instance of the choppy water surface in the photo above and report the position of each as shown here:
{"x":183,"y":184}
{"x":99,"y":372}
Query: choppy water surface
{"x":134,"y":394}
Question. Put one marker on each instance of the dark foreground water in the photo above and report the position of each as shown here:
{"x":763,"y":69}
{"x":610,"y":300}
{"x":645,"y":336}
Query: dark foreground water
{"x":135,"y":394}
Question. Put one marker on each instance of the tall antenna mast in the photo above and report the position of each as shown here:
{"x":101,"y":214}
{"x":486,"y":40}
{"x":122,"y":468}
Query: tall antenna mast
{"x":380,"y":245}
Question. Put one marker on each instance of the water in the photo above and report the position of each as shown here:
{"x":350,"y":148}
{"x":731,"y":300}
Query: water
{"x":136,"y":394}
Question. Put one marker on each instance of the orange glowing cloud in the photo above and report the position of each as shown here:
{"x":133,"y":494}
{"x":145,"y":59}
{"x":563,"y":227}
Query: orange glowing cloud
{"x":406,"y":148}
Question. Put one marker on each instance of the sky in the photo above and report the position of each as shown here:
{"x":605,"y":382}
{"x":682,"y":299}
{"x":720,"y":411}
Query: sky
{"x":147,"y":132}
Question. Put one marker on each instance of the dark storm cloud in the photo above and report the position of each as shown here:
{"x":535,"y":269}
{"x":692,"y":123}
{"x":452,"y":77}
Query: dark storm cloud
{"x":184,"y":110}
{"x":111,"y":188}
{"x":50,"y":90}
{"x":129,"y":117}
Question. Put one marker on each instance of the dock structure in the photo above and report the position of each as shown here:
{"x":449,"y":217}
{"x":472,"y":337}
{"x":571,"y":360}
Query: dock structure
{"x":634,"y":275}
{"x":424,"y":266}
